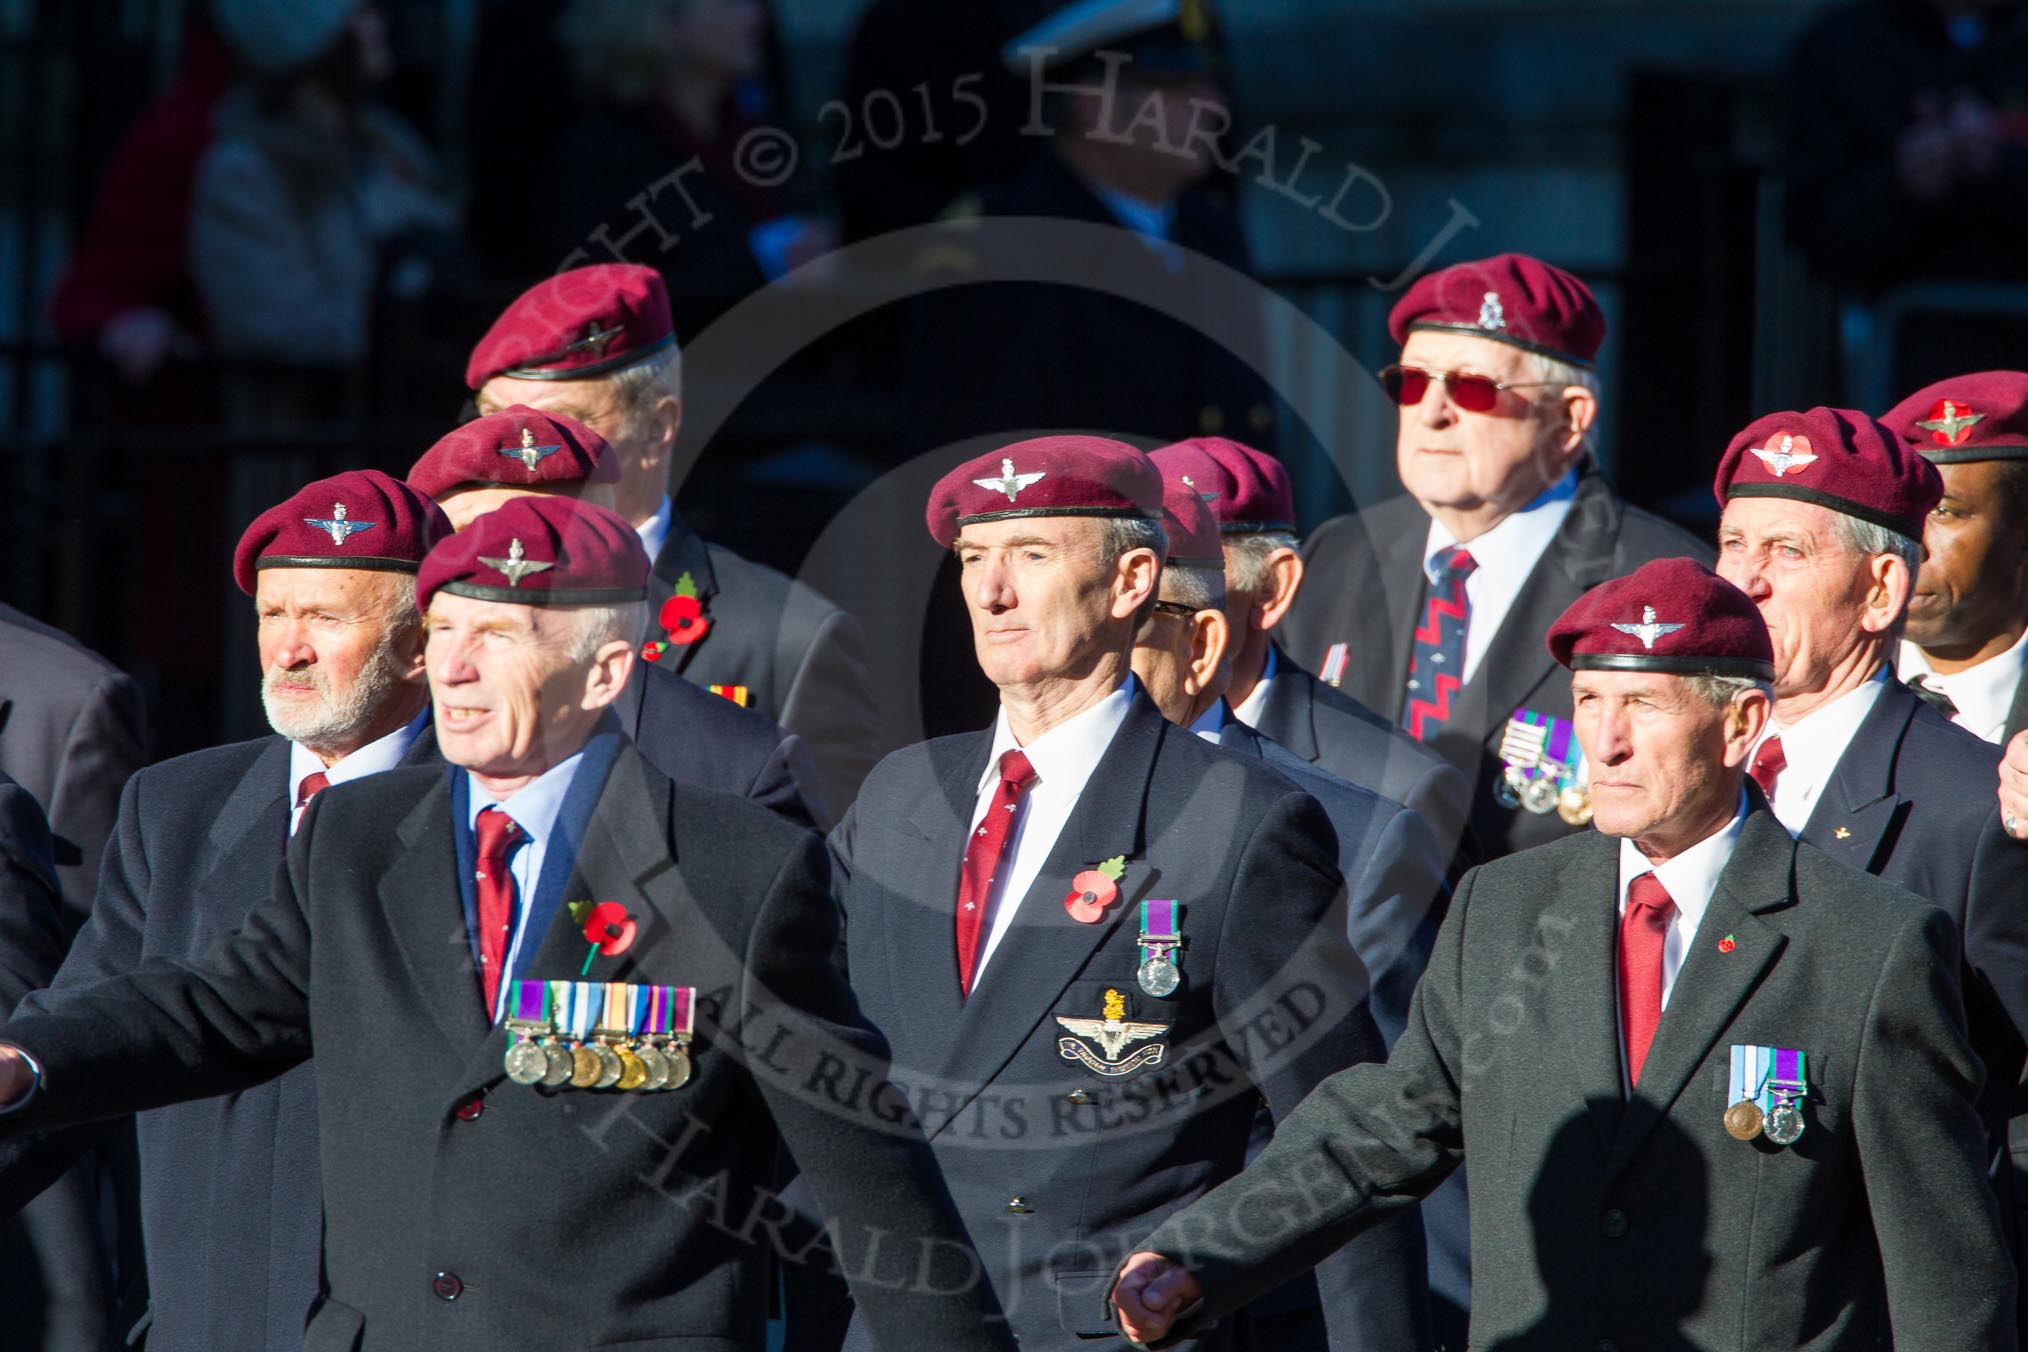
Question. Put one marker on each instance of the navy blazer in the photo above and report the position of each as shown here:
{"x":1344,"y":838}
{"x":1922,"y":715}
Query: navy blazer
{"x":31,"y":932}
{"x":1912,"y":801}
{"x":801,"y":658}
{"x":1345,"y":739}
{"x":1060,"y":1166}
{"x":463,"y":1212}
{"x":696,"y":737}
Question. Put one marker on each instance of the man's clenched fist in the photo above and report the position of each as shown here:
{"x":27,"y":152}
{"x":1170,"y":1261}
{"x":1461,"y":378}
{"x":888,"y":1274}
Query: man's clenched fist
{"x":1149,"y":1293}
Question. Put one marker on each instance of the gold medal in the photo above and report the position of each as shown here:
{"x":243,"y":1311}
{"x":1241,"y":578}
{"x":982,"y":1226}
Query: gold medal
{"x":1743,"y":1120}
{"x":633,"y":1073}
{"x":584,"y":1067}
{"x":1574,"y":806}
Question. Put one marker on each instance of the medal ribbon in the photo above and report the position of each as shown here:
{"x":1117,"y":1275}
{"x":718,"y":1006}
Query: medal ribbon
{"x":637,"y":1009}
{"x":1787,"y":1084}
{"x":614,"y":1017}
{"x":658,"y":1011}
{"x":1158,"y":928}
{"x":681,"y":1013}
{"x":531,"y":1001}
{"x":581,"y":1009}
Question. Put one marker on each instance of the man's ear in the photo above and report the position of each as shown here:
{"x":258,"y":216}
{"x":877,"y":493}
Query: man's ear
{"x":664,"y":420}
{"x":1210,"y":637}
{"x":611,"y":667}
{"x":1135,"y":578}
{"x":1285,"y":578}
{"x":1887,"y":596}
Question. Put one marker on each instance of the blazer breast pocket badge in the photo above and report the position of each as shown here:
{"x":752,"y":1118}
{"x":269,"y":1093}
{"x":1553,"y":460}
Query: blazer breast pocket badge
{"x":1114,"y":1035}
{"x":1768,"y":1085}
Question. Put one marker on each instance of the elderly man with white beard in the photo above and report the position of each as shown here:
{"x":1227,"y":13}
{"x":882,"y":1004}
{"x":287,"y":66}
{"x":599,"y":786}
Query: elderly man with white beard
{"x":332,"y":575}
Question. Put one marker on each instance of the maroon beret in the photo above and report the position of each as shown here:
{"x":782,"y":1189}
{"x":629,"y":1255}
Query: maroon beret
{"x":1836,"y":458}
{"x":1510,"y":298}
{"x":1671,"y":615}
{"x":359,"y":519}
{"x":1046,"y":476}
{"x":1983,"y":416}
{"x":540,"y":551}
{"x":1194,"y":541}
{"x":1247,"y":490}
{"x":578,"y":324}
{"x":518,"y":447}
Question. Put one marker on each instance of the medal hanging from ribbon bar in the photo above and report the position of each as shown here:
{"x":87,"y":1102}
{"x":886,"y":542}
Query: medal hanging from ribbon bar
{"x":682,"y":1012}
{"x":585,"y":1064}
{"x":620,"y":1020}
{"x":641,"y":1025}
{"x":526,"y":1062}
{"x":1783,"y":1101}
{"x":1160,"y":938}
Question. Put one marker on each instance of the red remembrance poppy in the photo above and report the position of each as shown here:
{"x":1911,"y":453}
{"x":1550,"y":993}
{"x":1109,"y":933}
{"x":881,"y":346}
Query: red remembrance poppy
{"x":1090,"y":893}
{"x":683,"y":617}
{"x":610,"y":929}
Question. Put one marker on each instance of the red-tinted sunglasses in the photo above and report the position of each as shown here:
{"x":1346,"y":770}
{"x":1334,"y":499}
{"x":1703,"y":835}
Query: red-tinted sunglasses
{"x":1406,"y":385}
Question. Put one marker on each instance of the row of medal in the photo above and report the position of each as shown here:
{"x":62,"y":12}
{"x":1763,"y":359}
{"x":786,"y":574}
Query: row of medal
{"x":600,"y":1035}
{"x":1543,"y":768}
{"x":1766,"y":1097}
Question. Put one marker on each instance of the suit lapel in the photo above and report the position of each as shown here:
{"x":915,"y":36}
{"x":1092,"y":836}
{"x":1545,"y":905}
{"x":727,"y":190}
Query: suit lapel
{"x":921,"y":932}
{"x":426,"y":919}
{"x":684,"y":552}
{"x":1579,"y":1014}
{"x":1045,"y":948}
{"x":248,"y":837}
{"x":1712,"y":986}
{"x":1392,"y":628}
{"x":1858,"y":804}
{"x":1289,"y":714}
{"x":2017,"y":712}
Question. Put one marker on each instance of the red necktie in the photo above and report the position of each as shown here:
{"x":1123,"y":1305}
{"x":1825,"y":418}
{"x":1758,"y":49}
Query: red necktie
{"x":1642,"y":930}
{"x":983,"y":855}
{"x":312,"y":785}
{"x":1768,"y":764}
{"x":498,"y":835}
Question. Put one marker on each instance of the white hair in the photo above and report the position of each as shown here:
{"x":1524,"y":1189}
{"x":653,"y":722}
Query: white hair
{"x":595,"y":626}
{"x":1246,"y":567}
{"x":1720,"y":691}
{"x":1120,"y":535}
{"x":637,"y":387}
{"x":1562,"y":374}
{"x":1198,"y":588}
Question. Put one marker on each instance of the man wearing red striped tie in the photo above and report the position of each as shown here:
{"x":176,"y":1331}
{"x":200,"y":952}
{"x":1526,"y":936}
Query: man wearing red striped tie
{"x":331,"y":573}
{"x":1715,"y":1087}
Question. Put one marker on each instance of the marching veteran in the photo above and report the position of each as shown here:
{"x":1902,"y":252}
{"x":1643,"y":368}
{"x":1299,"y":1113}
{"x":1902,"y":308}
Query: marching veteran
{"x":1093,"y":941}
{"x":532,"y":979}
{"x":1822,"y":526}
{"x":596,"y":344}
{"x":229,"y":1184}
{"x":1429,"y":608}
{"x":1715,"y":1085}
{"x":1253,"y":502}
{"x":689,"y":735}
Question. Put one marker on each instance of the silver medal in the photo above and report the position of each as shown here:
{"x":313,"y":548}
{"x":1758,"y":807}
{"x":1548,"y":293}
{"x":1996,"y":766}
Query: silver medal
{"x":1784,"y":1124}
{"x":1507,"y":788}
{"x":526,"y":1063}
{"x":1159,"y":975}
{"x":1540,"y":795}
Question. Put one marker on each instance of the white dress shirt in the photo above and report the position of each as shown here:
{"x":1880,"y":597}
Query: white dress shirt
{"x":1813,"y":746}
{"x":654,"y":532}
{"x":1250,"y":709}
{"x":1064,"y":758}
{"x":533,"y":807}
{"x":1984,"y":693}
{"x":382,"y":754}
{"x":1689,"y":878}
{"x":1505,"y":555}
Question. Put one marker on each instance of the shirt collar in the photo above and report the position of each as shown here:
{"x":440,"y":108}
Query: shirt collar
{"x":1255,"y":704}
{"x":1984,"y":693}
{"x":1211,"y":722}
{"x":533,"y":806}
{"x":383,"y":753}
{"x":1065,"y":756}
{"x":1511,"y":548}
{"x":1691,"y":877}
{"x":654,"y":532}
{"x":1812,"y":744}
